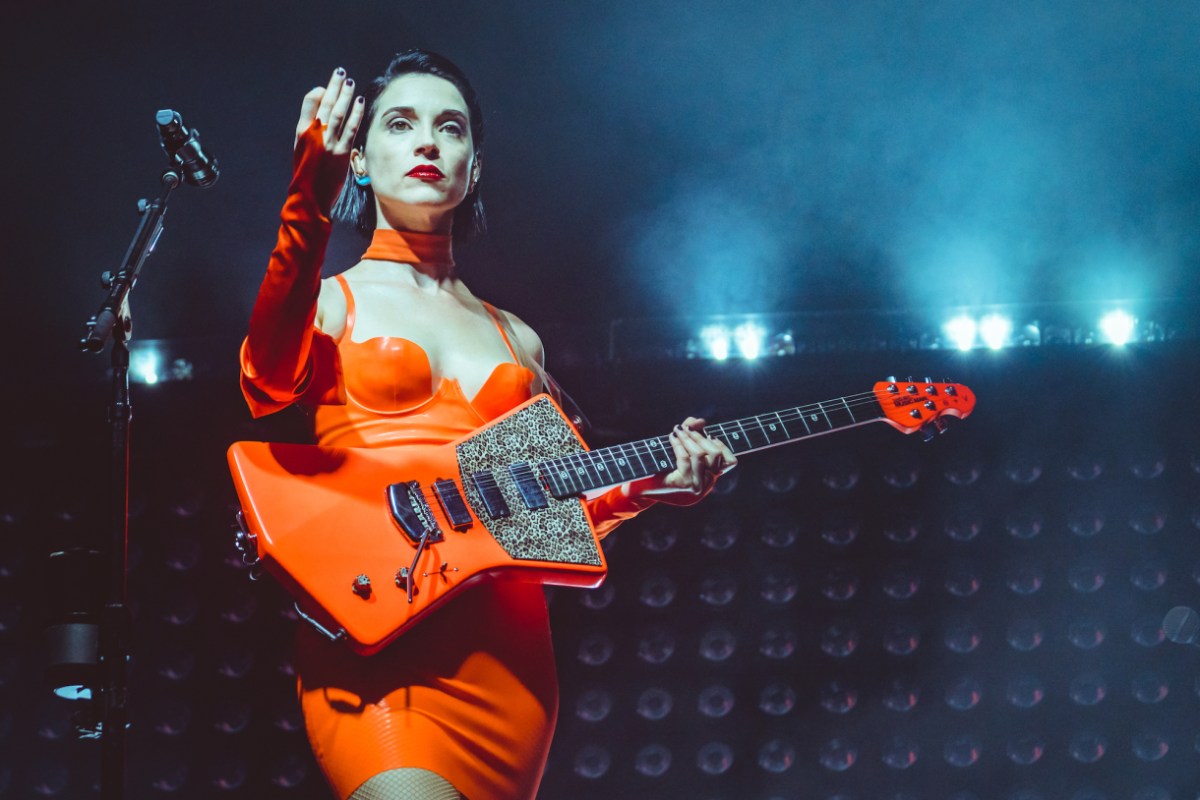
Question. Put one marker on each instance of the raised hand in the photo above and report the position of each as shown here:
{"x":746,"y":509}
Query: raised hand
{"x":338,"y":111}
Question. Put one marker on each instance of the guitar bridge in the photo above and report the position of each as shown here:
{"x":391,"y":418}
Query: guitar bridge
{"x":411,"y":513}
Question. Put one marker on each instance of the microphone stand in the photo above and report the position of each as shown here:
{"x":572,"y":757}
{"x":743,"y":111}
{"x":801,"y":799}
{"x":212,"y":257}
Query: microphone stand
{"x":112,"y":321}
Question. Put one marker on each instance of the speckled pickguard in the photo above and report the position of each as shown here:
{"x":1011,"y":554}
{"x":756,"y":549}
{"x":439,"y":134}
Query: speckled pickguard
{"x":557,"y":533}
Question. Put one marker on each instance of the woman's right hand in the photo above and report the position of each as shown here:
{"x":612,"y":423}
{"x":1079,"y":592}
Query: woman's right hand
{"x":338,"y":110}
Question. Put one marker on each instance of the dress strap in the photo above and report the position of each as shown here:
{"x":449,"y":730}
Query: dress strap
{"x":500,"y":326}
{"x":349,"y":304}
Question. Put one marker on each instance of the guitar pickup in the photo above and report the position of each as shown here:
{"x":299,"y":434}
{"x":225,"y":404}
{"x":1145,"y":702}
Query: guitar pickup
{"x":528,"y":486}
{"x":493,"y":501}
{"x":411,"y":512}
{"x":452,"y":503}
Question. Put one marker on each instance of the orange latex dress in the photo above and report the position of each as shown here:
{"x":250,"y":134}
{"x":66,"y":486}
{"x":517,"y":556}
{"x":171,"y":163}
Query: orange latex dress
{"x":471,"y":692}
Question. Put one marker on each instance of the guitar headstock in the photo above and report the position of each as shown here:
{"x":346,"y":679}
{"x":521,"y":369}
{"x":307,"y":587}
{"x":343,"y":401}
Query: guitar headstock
{"x":910,"y":406}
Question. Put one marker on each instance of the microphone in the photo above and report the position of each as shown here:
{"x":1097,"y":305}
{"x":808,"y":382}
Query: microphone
{"x":183,"y":149}
{"x":1182,"y":625}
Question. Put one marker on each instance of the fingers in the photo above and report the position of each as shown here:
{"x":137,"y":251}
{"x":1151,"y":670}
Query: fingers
{"x":346,"y":140}
{"x":338,"y":111}
{"x":336,"y":108}
{"x":332,"y":93}
{"x":308,"y":109}
{"x":706,"y":458}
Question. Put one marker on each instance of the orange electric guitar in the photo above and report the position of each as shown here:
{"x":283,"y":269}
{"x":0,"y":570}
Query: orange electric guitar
{"x":369,"y":540}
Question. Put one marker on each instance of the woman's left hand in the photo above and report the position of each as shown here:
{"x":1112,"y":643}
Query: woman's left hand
{"x":699,"y":461}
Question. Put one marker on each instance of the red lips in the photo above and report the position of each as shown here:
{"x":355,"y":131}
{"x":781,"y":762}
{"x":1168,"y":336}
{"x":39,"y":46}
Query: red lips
{"x":426,"y":172}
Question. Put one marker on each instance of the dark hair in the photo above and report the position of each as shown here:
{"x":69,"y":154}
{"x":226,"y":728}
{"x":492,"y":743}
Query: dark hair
{"x":357,"y":203}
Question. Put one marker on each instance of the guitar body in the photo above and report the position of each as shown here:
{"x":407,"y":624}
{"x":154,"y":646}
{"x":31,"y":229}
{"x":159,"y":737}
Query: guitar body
{"x":370,"y":540}
{"x":323,"y":520}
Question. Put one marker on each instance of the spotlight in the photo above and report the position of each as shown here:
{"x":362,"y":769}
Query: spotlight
{"x":716,"y":341}
{"x":144,"y":366}
{"x":995,"y":331}
{"x":962,"y":330}
{"x":1117,"y":327}
{"x":749,"y":338}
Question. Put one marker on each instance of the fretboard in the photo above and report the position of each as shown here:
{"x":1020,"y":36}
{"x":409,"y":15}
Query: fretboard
{"x":575,"y":474}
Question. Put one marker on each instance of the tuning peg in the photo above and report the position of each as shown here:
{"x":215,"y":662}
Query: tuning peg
{"x":891,"y":378}
{"x":928,"y":379}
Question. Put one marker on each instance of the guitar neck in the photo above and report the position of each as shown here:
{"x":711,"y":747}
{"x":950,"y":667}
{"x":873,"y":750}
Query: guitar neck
{"x":575,"y":474}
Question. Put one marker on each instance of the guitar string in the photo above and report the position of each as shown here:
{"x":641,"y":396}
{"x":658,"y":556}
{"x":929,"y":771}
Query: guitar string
{"x":486,"y":480}
{"x":640,"y":448}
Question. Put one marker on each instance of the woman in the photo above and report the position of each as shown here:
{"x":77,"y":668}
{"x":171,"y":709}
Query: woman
{"x":397,"y":350}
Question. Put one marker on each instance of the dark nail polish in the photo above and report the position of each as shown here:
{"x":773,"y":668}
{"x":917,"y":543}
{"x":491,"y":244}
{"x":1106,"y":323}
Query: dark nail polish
{"x":340,"y":71}
{"x":360,"y":99}
{"x":349,"y":81}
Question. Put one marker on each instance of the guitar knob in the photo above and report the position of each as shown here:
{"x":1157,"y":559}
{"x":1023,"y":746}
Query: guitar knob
{"x":362,"y":586}
{"x":950,"y":390}
{"x":403,"y":579}
{"x":915,"y":414}
{"x":930,"y":405}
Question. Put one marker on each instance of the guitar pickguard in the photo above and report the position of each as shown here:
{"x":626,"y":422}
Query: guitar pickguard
{"x":559,"y":532}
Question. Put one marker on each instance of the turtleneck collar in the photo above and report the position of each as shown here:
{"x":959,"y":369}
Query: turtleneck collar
{"x":409,"y":247}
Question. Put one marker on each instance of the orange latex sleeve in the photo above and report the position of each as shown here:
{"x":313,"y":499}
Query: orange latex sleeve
{"x":617,"y":505}
{"x":282,"y":350}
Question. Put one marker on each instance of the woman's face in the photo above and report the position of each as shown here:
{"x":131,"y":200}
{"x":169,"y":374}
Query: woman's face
{"x":419,"y":153}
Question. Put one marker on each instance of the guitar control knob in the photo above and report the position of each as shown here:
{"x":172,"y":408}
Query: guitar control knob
{"x":950,"y":390}
{"x":362,"y":586}
{"x":915,"y":414}
{"x":930,"y":404}
{"x":403,"y":578}
{"x":892,"y":388}
{"x":912,"y":389}
{"x":931,"y":389}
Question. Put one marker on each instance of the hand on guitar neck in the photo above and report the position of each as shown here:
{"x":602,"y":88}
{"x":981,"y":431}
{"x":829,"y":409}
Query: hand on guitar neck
{"x":699,"y":461}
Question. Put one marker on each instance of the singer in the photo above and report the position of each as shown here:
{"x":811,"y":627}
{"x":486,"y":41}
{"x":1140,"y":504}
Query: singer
{"x":395,"y":350}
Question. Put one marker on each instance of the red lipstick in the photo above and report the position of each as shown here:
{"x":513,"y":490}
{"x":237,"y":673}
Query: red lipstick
{"x":426,"y":172}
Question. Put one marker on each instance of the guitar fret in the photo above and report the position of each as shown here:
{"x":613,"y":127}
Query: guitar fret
{"x":840,"y":415}
{"x":663,"y":461}
{"x":599,"y":469}
{"x":801,"y":415}
{"x":825,"y":414}
{"x":783,"y":425}
{"x":622,"y":460}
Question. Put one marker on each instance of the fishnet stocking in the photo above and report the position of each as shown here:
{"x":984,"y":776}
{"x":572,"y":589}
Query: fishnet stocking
{"x":406,"y":784}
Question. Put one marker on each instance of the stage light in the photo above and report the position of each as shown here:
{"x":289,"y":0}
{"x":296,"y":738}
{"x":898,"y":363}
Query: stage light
{"x":716,"y":341}
{"x":962,"y":330}
{"x":144,"y":366}
{"x":1117,"y":327}
{"x":749,"y":339}
{"x":995,"y":331}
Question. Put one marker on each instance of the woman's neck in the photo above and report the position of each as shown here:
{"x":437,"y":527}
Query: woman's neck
{"x":426,"y":258}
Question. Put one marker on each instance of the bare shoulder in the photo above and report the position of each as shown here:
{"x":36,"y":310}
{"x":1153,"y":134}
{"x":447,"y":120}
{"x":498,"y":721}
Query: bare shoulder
{"x":331,"y":308}
{"x":531,"y":343}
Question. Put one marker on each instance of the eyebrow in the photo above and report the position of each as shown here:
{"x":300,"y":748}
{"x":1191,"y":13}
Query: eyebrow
{"x":409,"y":110}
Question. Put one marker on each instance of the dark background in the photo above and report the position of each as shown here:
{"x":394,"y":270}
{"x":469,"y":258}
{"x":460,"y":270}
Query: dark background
{"x":650,"y":161}
{"x":642,"y":159}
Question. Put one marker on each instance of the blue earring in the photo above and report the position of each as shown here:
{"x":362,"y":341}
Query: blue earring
{"x":362,"y":180}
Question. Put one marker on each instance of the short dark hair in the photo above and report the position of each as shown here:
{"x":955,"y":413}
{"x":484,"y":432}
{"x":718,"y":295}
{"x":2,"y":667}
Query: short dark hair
{"x":356,"y":203}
